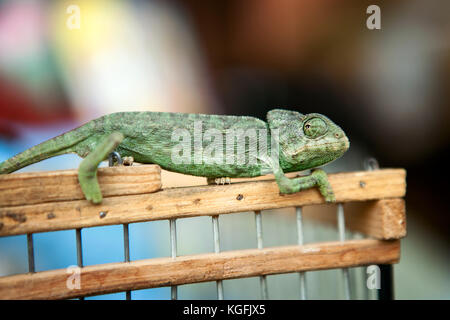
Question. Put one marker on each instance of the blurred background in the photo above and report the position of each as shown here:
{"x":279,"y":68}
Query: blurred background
{"x":388,"y":89}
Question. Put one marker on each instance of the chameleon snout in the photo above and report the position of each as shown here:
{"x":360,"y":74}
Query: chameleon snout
{"x":346,"y":142}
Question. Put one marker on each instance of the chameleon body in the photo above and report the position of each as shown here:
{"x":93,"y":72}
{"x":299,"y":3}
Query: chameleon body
{"x":301,"y":142}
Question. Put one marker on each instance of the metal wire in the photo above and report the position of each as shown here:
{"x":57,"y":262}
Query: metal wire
{"x":126,"y":238}
{"x":126,"y":252}
{"x":79,"y":250}
{"x":302,"y":275}
{"x":369,"y":164}
{"x":361,"y":274}
{"x":173,"y":245}
{"x":216,"y":235}
{"x":111,"y":157}
{"x":341,"y":228}
{"x":259,"y":237}
{"x":30,"y":248}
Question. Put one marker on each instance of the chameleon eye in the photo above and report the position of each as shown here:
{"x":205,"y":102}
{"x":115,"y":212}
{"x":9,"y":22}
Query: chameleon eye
{"x":314,"y":127}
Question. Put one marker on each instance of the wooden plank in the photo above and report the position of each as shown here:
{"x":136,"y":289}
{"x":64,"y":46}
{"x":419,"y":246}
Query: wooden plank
{"x":194,"y":201}
{"x":162,"y":272}
{"x":62,"y":185}
{"x":380,"y":219}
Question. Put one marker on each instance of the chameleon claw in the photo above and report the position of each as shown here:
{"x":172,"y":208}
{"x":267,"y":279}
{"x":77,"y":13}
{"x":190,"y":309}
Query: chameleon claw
{"x":90,"y":187}
{"x":324,"y":186}
{"x":330,"y":198}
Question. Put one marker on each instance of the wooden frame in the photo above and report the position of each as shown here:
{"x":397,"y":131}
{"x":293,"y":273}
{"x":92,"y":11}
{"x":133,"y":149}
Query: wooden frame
{"x":179,"y":202}
{"x":62,"y":185}
{"x":35,"y":202}
{"x":162,"y":272}
{"x":383,"y":219}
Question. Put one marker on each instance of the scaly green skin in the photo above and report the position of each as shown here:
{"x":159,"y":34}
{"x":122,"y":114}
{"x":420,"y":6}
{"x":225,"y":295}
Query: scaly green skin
{"x":305,"y":141}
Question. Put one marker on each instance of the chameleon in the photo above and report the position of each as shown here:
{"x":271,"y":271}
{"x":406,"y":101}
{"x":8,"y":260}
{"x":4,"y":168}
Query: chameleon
{"x":289,"y":141}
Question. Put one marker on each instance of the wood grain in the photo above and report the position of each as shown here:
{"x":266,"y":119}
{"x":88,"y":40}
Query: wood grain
{"x":379,"y":219}
{"x":194,"y":201}
{"x":162,"y":272}
{"x":62,"y":185}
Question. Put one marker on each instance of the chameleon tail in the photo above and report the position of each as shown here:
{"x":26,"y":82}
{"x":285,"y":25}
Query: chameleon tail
{"x":61,"y":144}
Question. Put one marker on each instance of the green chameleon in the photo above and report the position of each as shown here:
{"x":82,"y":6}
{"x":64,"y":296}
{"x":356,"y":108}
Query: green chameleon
{"x":202,"y":145}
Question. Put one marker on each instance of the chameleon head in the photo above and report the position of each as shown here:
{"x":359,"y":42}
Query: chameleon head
{"x":318,"y":141}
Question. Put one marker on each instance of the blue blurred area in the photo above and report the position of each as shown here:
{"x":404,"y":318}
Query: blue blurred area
{"x":13,"y":255}
{"x":53,"y":250}
{"x":57,"y":250}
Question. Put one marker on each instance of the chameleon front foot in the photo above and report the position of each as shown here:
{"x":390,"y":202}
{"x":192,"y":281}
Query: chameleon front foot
{"x":87,"y":172}
{"x":318,"y":178}
{"x":323,"y":184}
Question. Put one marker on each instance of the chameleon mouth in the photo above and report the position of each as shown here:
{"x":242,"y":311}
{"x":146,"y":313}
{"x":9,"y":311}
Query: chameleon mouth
{"x":343,"y":144}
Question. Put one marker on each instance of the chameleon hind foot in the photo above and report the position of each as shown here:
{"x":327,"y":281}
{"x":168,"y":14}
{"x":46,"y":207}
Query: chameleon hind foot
{"x":128,"y":161}
{"x":217,"y":181}
{"x":116,"y":160}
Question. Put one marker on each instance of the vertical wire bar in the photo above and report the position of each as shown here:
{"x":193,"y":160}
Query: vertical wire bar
{"x":30,"y":248}
{"x":259,"y":237}
{"x":302,"y":275}
{"x":369,"y":164}
{"x":79,"y":250}
{"x":341,"y":228}
{"x":173,"y":244}
{"x":215,"y":221}
{"x":126,"y":252}
{"x":362,"y":273}
{"x":386,"y":291}
{"x":126,"y":239}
